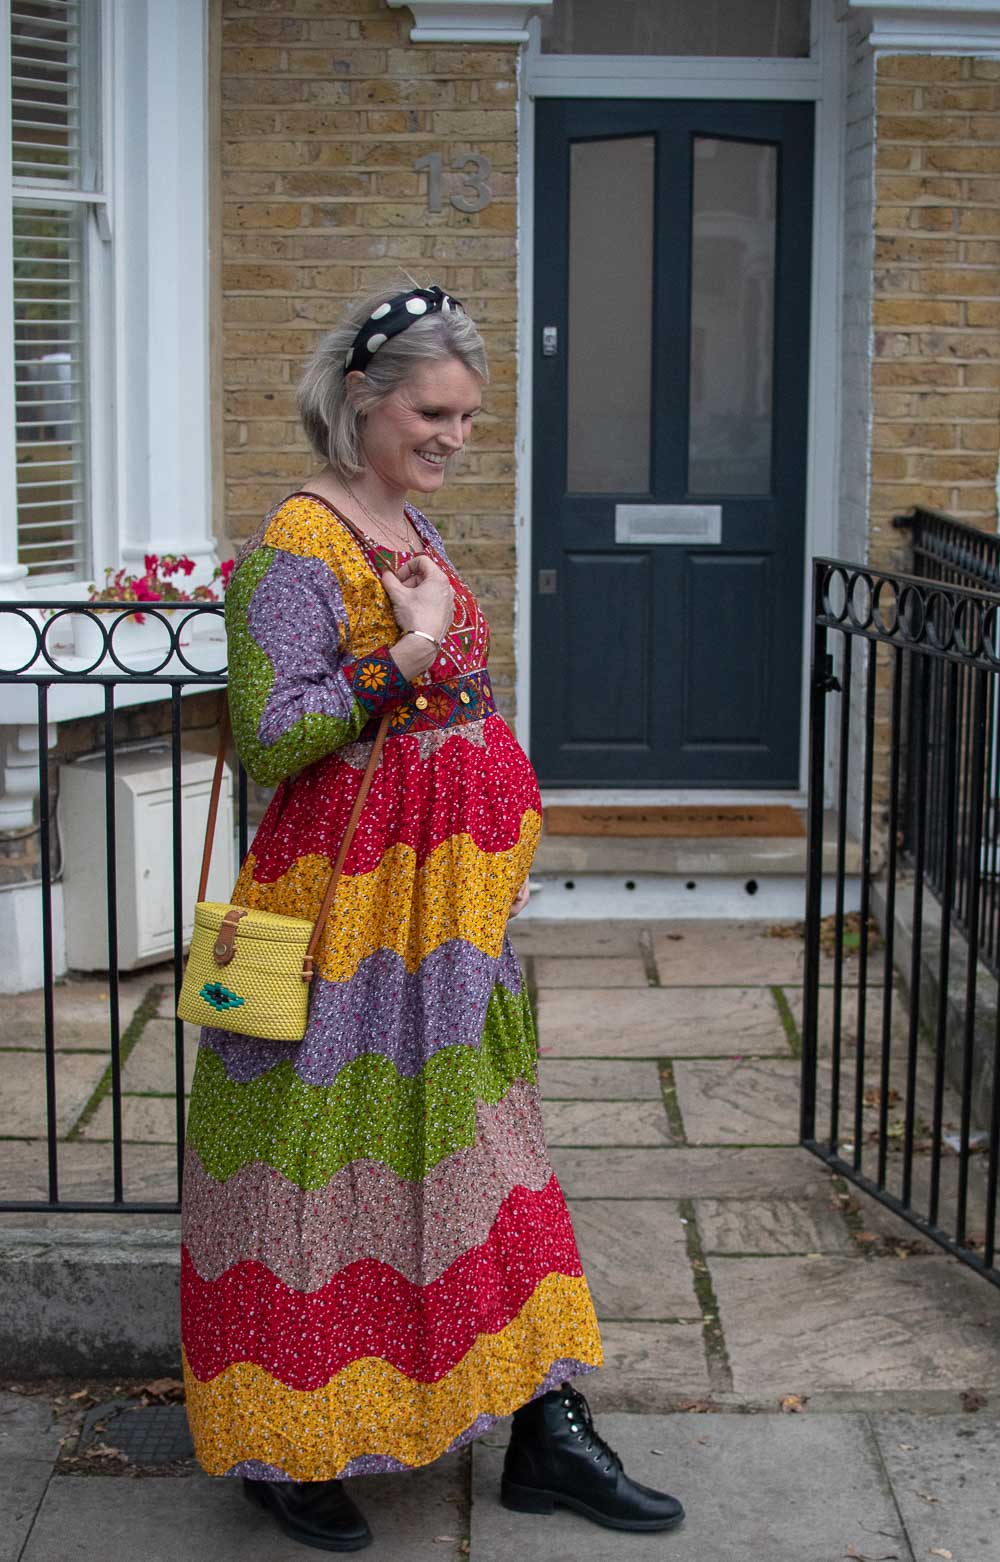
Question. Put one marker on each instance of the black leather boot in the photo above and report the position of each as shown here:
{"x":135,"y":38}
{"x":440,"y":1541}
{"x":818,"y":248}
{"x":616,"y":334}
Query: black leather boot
{"x":557,"y":1459}
{"x":315,"y":1513}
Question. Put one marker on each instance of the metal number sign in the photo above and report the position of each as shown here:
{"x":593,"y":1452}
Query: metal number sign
{"x":475,"y":183}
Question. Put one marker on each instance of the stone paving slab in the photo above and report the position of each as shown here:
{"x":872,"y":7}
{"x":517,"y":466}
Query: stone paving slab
{"x":793,"y":1325}
{"x":22,"y":1488}
{"x":637,"y":1267}
{"x":193,"y":1518}
{"x":151,"y":1066}
{"x":874,"y":1010}
{"x":28,"y":1429}
{"x":646,"y":1366}
{"x":777,"y":1488}
{"x":145,"y":1120}
{"x":555,"y":936}
{"x":944,"y":1474}
{"x":739,"y":1100}
{"x":685,"y":1173}
{"x":722,"y":954}
{"x":596,"y":1080}
{"x":578,"y":971}
{"x":659,"y":1022}
{"x":85,"y":1172}
{"x":775,"y":1226}
{"x":606,"y":1122}
{"x":22,"y":1101}
{"x":82,"y":1020}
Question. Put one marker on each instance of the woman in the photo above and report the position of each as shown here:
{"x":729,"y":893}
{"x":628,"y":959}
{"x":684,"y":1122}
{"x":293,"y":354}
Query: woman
{"x":378,"y":1262}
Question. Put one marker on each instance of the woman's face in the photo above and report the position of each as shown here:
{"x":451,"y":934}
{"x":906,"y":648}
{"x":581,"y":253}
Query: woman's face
{"x":408,"y":436}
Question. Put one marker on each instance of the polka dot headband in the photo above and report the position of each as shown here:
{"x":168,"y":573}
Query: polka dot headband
{"x":391,"y":318}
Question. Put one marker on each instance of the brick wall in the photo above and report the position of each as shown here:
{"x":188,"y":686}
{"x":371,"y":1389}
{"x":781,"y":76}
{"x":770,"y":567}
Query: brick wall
{"x":325,"y":105}
{"x":936,"y":370}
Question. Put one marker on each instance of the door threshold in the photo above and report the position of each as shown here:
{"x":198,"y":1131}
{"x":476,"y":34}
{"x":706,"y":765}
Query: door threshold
{"x":668,"y":797}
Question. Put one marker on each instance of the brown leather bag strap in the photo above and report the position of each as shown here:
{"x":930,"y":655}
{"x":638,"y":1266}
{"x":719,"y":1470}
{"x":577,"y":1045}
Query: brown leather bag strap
{"x":213,"y":805}
{"x":345,"y":845}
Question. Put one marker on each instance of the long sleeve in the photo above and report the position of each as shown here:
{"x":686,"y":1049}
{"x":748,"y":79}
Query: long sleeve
{"x":295,"y":693}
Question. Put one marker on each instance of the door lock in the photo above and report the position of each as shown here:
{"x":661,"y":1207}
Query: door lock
{"x":550,"y":341}
{"x":546,"y":582}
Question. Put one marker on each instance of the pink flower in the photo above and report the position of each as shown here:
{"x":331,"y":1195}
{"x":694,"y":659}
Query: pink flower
{"x":145,"y":593}
{"x":151,"y":561}
{"x":186,"y":564}
{"x":225,"y":572}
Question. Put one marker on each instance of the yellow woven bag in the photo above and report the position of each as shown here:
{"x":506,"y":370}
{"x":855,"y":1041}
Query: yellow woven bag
{"x":250,"y":971}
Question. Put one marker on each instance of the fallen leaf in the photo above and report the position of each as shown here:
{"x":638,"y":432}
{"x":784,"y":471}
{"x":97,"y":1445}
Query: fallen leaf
{"x":939,"y":1551}
{"x":927,"y":1496}
{"x":83,"y":1393}
{"x":464,"y":1548}
{"x":445,"y":1540}
{"x":866,"y":1236}
{"x":972,"y":1399}
{"x":660,"y":1452}
{"x":907,"y":1448}
{"x":161,"y":1388}
{"x":793,"y":1404}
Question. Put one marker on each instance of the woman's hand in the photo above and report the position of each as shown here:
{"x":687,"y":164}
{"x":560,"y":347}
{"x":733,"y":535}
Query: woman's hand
{"x":421,"y":596}
{"x":520,"y":899}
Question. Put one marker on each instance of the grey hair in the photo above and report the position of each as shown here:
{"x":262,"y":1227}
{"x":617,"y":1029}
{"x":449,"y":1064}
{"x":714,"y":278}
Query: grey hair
{"x":332,"y":417}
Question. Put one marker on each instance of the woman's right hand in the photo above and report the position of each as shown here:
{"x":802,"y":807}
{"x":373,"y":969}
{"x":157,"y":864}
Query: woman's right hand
{"x":421,"y":596}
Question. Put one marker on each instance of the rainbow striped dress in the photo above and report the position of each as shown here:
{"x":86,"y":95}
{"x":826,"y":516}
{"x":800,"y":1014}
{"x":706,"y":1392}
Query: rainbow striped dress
{"x":377,"y":1260}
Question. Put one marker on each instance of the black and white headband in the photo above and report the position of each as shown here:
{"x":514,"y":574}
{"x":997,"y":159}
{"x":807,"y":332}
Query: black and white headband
{"x":391,"y":318}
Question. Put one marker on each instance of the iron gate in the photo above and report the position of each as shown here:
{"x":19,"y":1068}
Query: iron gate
{"x":41,"y":660}
{"x":901,"y":1026}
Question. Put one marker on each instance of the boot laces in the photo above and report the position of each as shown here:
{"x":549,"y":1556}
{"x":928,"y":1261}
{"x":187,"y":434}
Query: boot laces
{"x":581,"y":1422}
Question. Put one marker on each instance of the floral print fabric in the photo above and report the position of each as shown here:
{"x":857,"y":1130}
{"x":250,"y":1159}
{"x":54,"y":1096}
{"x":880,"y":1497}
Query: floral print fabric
{"x":377,"y":1259}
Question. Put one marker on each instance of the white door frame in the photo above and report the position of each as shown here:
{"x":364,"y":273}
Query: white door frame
{"x":818,"y":79}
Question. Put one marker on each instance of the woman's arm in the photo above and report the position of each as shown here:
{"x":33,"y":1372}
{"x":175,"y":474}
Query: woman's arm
{"x":294,"y":694}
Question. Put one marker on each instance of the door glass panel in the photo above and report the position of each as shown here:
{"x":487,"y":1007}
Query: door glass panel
{"x":732,"y":317}
{"x":609,"y":352}
{"x":769,"y":28}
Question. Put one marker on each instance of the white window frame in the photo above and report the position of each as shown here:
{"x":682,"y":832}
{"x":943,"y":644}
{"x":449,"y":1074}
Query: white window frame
{"x":149,"y":474}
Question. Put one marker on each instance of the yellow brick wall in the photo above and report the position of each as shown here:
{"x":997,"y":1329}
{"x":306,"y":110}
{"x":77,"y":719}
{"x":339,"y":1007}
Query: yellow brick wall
{"x":324,"y":107}
{"x":936,"y":371}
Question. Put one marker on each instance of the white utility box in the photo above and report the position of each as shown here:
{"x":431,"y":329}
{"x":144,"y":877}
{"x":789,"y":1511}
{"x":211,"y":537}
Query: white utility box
{"x":144,"y":852}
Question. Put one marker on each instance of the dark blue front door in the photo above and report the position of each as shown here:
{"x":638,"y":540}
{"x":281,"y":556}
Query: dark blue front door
{"x":671,"y":319}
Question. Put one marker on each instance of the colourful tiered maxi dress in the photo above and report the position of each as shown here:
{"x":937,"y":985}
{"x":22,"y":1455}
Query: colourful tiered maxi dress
{"x":377,"y":1258}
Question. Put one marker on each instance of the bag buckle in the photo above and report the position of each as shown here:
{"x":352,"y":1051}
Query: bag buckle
{"x":225,"y":940}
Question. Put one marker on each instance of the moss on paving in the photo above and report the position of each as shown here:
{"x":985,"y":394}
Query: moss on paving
{"x":146,"y":1011}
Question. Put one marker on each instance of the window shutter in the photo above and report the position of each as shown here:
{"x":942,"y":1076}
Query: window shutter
{"x":50,"y":287}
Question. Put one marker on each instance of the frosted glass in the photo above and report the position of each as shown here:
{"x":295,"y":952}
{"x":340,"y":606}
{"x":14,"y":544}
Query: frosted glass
{"x":769,"y":28}
{"x":734,"y":222}
{"x":610,"y":309}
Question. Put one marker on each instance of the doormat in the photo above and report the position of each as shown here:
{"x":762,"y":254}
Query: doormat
{"x":701,"y":819}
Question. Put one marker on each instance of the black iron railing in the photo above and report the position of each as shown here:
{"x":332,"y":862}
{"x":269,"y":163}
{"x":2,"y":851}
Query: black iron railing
{"x":47,"y":648}
{"x":903,"y":1098}
{"x":952,"y":553}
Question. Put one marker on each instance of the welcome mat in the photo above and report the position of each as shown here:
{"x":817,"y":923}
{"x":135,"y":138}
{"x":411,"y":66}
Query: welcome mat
{"x":701,"y":819}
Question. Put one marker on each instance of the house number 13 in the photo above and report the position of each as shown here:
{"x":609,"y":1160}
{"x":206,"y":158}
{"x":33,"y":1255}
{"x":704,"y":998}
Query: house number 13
{"x":475,"y":182}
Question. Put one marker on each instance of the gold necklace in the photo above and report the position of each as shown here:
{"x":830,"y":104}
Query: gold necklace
{"x":406,"y":548}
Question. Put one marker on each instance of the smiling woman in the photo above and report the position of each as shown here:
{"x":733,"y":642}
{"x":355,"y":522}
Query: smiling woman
{"x":378,"y":1261}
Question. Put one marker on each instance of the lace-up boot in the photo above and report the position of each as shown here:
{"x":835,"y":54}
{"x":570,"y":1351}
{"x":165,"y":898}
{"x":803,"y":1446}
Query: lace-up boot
{"x":315,"y":1513}
{"x":558,"y":1459}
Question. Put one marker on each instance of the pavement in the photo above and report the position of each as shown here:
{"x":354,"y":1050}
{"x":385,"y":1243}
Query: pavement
{"x":814,"y":1380}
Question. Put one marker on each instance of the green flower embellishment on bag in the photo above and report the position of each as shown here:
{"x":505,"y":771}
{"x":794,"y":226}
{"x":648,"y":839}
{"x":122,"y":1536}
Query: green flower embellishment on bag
{"x":220,"y":997}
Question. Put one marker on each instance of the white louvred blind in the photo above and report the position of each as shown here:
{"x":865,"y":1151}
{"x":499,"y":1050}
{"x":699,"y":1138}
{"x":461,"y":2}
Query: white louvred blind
{"x":50,"y":287}
{"x":45,"y":89}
